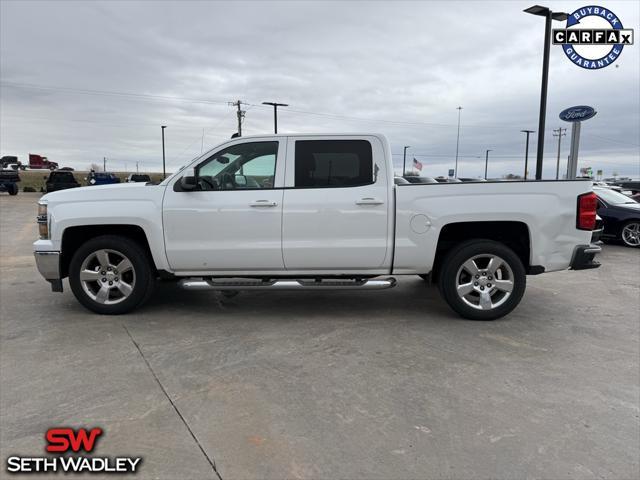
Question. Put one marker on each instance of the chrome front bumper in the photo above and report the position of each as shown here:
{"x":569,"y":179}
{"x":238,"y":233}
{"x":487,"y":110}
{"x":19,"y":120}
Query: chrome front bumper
{"x":48,"y":264}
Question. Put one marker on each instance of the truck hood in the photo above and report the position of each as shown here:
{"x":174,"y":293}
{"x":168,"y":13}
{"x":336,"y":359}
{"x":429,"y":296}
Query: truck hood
{"x":114,"y":191}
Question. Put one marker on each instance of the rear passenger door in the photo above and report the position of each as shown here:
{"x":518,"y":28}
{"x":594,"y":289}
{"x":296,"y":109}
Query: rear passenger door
{"x":336,"y":205}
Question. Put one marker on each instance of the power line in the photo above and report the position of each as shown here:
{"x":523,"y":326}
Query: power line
{"x":614,"y":141}
{"x":220,"y":102}
{"x":84,"y":91}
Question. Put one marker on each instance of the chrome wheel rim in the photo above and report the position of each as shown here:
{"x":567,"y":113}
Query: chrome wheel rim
{"x":484,"y":282}
{"x":107,"y":276}
{"x":631,"y":234}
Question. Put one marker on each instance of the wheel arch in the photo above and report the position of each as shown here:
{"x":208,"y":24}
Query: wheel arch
{"x":74,"y":236}
{"x":513,"y":234}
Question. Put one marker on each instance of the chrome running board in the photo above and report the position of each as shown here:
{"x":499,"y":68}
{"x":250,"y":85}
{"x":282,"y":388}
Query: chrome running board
{"x":287,"y":284}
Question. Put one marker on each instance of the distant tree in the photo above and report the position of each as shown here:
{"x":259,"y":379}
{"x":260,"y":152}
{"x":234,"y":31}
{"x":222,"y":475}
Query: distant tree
{"x":95,"y":167}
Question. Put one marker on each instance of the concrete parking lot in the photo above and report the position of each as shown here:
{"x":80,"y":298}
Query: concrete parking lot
{"x":384,"y":385}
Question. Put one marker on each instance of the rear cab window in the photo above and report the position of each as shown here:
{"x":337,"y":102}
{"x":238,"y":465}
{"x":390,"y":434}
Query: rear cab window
{"x":62,"y":177}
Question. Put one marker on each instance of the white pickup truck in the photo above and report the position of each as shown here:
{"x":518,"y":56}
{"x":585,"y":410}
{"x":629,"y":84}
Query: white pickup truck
{"x":312,"y":212}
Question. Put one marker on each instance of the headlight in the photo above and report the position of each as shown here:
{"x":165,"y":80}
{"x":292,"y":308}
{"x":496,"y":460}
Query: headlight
{"x":43,"y":221}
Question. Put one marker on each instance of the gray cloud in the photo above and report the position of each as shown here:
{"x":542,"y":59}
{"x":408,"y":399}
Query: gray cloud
{"x":397,"y":68}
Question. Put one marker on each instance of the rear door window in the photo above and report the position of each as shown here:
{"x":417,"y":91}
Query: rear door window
{"x":333,"y":163}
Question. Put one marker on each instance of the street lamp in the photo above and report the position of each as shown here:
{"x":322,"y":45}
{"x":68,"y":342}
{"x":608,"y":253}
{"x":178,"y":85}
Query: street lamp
{"x":164,"y":171}
{"x":486,"y":163}
{"x":526,"y":152}
{"x":404,"y":161}
{"x":549,"y":15}
{"x":275,"y":113}
{"x":455,"y":170}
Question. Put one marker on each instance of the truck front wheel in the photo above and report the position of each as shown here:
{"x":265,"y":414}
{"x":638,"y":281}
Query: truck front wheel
{"x":111,"y":275}
{"x":482,"y":279}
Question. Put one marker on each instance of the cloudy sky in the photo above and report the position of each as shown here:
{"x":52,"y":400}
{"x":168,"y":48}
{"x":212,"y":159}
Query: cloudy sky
{"x":85,"y":80}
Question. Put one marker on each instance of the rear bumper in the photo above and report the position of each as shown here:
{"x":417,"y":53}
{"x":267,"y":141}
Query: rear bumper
{"x":583,"y":257}
{"x":48,"y":264}
{"x":596,"y":234}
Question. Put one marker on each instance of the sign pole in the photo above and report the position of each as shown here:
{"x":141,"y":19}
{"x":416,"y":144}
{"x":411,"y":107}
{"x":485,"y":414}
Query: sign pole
{"x":573,"y":156}
{"x":575,"y":115}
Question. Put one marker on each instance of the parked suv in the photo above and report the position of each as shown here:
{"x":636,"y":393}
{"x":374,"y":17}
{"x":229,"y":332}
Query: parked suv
{"x":138,"y":177}
{"x":59,"y":180}
{"x":9,"y":179}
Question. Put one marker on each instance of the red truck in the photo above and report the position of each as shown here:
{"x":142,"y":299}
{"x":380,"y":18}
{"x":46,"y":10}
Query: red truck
{"x":37,"y":161}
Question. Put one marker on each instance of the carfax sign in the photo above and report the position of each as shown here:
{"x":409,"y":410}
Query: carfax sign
{"x":593,"y":38}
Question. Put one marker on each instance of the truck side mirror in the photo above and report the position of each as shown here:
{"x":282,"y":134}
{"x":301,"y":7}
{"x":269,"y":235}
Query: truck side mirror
{"x":188,"y":182}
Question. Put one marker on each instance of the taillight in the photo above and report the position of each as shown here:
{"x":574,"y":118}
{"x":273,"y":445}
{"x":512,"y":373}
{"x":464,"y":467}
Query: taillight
{"x":587,"y":205}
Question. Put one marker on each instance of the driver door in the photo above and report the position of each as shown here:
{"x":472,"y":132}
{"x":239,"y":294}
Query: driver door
{"x":232,"y":222}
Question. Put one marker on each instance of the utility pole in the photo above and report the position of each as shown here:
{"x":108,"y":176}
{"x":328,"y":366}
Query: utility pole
{"x":137,"y":171}
{"x":486,"y":163}
{"x":104,"y":164}
{"x":240,"y":114}
{"x":526,"y":152}
{"x":559,"y":134}
{"x":164,"y":171}
{"x":404,"y":160}
{"x":275,"y":113}
{"x":455,"y":170}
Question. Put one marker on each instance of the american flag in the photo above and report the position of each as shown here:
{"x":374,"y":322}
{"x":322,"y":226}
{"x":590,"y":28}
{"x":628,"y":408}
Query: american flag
{"x":417,"y":164}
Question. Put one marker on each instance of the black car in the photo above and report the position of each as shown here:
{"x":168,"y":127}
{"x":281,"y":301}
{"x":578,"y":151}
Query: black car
{"x":60,"y":180}
{"x":621,"y":216}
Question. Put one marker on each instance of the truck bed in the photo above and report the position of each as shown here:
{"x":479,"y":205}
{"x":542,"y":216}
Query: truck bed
{"x":546,"y":208}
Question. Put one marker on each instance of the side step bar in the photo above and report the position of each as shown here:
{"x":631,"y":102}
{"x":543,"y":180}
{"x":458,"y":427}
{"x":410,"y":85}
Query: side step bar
{"x":287,"y":284}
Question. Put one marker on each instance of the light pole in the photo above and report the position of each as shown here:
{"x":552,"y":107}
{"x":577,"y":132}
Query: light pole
{"x":455,"y":170}
{"x":275,"y":113}
{"x":549,"y":15}
{"x":526,"y":152}
{"x":404,"y":160}
{"x":486,"y":163}
{"x":164,"y":171}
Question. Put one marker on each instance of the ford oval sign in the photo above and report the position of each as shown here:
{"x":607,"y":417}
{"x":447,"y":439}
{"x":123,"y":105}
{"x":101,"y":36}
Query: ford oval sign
{"x":577,"y":114}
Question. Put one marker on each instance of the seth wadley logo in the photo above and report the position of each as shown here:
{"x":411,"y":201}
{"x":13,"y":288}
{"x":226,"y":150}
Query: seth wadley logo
{"x":593,"y":38}
{"x":67,"y":440}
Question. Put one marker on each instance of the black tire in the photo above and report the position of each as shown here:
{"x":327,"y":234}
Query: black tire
{"x":141,"y":267}
{"x":621,"y":237}
{"x":13,"y":190}
{"x":452,"y":272}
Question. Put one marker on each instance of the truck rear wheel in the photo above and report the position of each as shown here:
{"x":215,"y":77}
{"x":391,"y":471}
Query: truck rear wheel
{"x":13,"y":189}
{"x":111,"y":275}
{"x":482,"y":279}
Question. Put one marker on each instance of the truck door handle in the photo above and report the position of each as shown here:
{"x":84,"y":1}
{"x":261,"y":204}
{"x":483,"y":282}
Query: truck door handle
{"x":263,"y":203}
{"x":369,"y":201}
